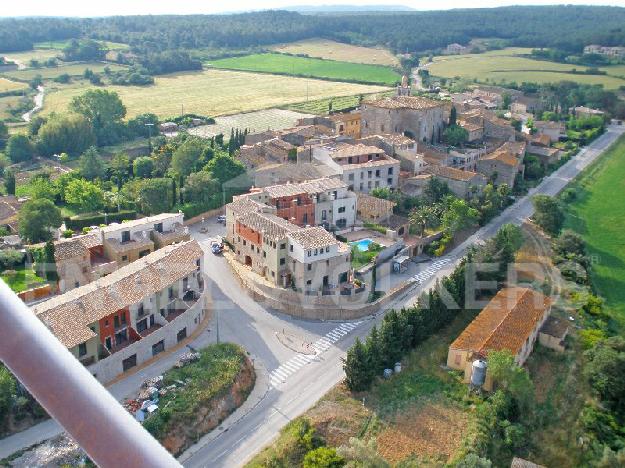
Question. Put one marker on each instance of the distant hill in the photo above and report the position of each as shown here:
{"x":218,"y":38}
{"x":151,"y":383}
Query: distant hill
{"x":313,"y":9}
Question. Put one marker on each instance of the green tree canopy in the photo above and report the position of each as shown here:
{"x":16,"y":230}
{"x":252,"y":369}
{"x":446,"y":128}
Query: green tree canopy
{"x":20,"y":148}
{"x":84,"y":196}
{"x":36,"y":218}
{"x":200,"y":187}
{"x":186,"y":158}
{"x":91,"y":164}
{"x":455,"y":135}
{"x":224,"y":168}
{"x":459,"y":215}
{"x":548,"y":213}
{"x":65,"y":133}
{"x":104,"y":110}
{"x":143,"y":167}
{"x":4,"y":134}
{"x":323,"y":457}
{"x":154,"y":196}
{"x":605,"y":371}
{"x":120,"y":164}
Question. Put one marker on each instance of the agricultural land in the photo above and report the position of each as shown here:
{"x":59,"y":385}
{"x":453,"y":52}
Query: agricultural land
{"x":214,"y":92}
{"x":8,"y":85}
{"x":510,"y":65}
{"x":332,"y":50}
{"x":72,"y":69}
{"x":310,"y":67}
{"x":598,"y":214}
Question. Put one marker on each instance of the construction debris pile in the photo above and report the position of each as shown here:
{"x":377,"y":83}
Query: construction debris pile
{"x":59,"y":451}
{"x":147,"y":400}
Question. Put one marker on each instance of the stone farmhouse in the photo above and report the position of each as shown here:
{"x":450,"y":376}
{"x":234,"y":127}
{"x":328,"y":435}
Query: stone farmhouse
{"x":125,"y":318}
{"x":419,"y":118}
{"x":274,"y":150}
{"x":83,"y":259}
{"x":511,"y":321}
{"x":502,"y":165}
{"x":462,"y":183}
{"x":554,"y":130}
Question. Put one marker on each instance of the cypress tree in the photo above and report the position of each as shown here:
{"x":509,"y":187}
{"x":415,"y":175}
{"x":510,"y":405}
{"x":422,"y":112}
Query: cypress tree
{"x":374,"y":353}
{"x":355,"y":367}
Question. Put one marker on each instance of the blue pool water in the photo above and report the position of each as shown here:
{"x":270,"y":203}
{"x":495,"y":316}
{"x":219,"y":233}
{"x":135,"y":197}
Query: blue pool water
{"x":362,"y":244}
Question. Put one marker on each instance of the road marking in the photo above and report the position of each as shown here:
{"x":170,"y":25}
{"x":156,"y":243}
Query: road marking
{"x":286,"y":369}
{"x":220,"y":455}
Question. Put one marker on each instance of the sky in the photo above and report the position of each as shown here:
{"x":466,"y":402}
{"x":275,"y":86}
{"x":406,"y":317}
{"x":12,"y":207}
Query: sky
{"x":156,"y":7}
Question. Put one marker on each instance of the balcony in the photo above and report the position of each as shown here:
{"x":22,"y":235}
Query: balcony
{"x":177,"y":233}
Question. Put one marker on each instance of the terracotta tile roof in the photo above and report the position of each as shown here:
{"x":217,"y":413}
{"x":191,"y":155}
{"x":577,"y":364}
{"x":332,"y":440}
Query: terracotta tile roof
{"x":452,"y":173}
{"x":271,"y":174}
{"x":311,"y":187}
{"x":505,"y":157}
{"x":370,"y":203}
{"x":555,"y":327}
{"x":505,"y":323}
{"x":542,"y":139}
{"x":242,"y":205}
{"x":345,"y":150}
{"x":549,"y":124}
{"x":471,"y":127}
{"x":516,"y":147}
{"x":396,"y":139}
{"x":69,"y":315}
{"x":345,"y":117}
{"x":313,"y":238}
{"x":379,"y":162}
{"x":76,"y":246}
{"x":269,"y":225}
{"x":405,"y":102}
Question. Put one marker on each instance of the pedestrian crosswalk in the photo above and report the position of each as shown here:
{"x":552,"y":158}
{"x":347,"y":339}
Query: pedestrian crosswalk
{"x":279,"y":375}
{"x":429,"y":271}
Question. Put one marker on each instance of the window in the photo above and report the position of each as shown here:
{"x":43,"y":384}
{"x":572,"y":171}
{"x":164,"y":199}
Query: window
{"x":362,"y":175}
{"x":305,"y":218}
{"x":84,"y":269}
{"x":350,"y":160}
{"x":181,"y":335}
{"x":158,"y":227}
{"x":291,"y":248}
{"x":309,"y":253}
{"x":341,"y":209}
{"x":76,"y":284}
{"x":316,"y":251}
{"x":142,"y":325}
{"x":309,"y":282}
{"x":140,"y":310}
{"x":124,"y":258}
{"x":143,"y":253}
{"x":170,"y":292}
{"x":264,"y":254}
{"x":116,"y":321}
{"x":369,"y":184}
{"x":244,"y":242}
{"x":309,"y":266}
{"x":324,"y":215}
{"x":283,"y":246}
{"x":369,"y":157}
{"x":125,"y":236}
{"x":369,"y":174}
{"x":273,"y":274}
{"x":327,"y":249}
{"x":350,"y":176}
{"x":129,"y":362}
{"x":282,"y":261}
{"x":389,"y":181}
{"x":361,"y":186}
{"x":377,"y":173}
{"x":82,"y":349}
{"x":377,"y":183}
{"x":158,"y":347}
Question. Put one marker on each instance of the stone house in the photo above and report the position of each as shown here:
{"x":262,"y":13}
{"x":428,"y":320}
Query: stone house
{"x":526,"y":105}
{"x":400,"y":147}
{"x":269,"y":151}
{"x":125,"y":318}
{"x":462,"y":183}
{"x":547,"y":156}
{"x":510,"y":321}
{"x":273,"y":174}
{"x":373,"y":209}
{"x":347,"y":124}
{"x":553,"y":333}
{"x":501,"y":166}
{"x":419,"y":118}
{"x":554,"y":130}
{"x":363,"y":168}
{"x":583,"y":112}
{"x":493,"y":126}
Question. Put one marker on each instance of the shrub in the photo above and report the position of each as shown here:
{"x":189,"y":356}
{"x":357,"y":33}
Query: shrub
{"x":68,"y":233}
{"x":77,"y":223}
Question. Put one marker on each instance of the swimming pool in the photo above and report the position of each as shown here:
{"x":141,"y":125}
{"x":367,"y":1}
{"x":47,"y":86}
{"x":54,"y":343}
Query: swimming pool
{"x":362,"y":244}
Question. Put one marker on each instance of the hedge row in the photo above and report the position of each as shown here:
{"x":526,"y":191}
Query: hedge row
{"x":76,"y":223}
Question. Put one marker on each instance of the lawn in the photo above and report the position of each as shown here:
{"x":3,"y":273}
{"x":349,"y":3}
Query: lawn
{"x":310,"y":67}
{"x":23,"y":279}
{"x":507,"y":65}
{"x":213,"y":93}
{"x":8,"y":85}
{"x":332,"y":50}
{"x":598,"y":215}
{"x":72,"y":69}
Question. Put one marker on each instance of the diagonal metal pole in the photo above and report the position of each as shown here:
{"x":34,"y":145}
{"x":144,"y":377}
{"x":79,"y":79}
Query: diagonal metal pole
{"x":70,"y":394}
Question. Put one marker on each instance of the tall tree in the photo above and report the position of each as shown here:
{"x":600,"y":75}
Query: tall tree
{"x":154,"y":196}
{"x":20,"y":148}
{"x":105,"y":110}
{"x":65,"y":133}
{"x":91,"y":164}
{"x":548,"y":213}
{"x":143,"y":167}
{"x":119,"y":168}
{"x":9,"y":182}
{"x":357,"y":371}
{"x":186,"y":157}
{"x":224,"y":168}
{"x":84,"y":196}
{"x":36,"y":218}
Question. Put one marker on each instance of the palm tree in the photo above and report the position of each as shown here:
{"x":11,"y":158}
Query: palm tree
{"x":421,"y":217}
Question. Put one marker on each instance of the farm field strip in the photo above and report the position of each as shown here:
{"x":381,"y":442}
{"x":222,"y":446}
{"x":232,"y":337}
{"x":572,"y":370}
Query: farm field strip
{"x":598,"y":215}
{"x":8,"y":85}
{"x":257,"y":121}
{"x":507,"y":65}
{"x":310,"y":67}
{"x":332,"y":50}
{"x":72,"y":69}
{"x":214,"y":93}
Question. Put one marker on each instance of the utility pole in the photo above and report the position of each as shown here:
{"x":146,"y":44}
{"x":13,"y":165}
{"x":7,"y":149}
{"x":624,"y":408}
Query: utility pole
{"x":217,"y":323}
{"x":149,"y":125}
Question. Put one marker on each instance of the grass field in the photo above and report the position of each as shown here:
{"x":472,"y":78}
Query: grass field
{"x":598,"y":215}
{"x":7,"y":103}
{"x":60,"y":45}
{"x":213,"y":93}
{"x":332,"y":50}
{"x":72,"y":69}
{"x":24,"y":57}
{"x":21,"y":279}
{"x":506,"y":65}
{"x":8,"y":85}
{"x":321,"y":106}
{"x":310,"y":67}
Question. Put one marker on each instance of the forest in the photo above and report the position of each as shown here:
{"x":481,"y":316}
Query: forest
{"x":565,"y":27}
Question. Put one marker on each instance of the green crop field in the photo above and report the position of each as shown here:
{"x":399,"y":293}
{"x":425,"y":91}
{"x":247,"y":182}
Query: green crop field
{"x":310,"y":67}
{"x":25,"y":57}
{"x":72,"y":69}
{"x":598,"y":215}
{"x":339,"y":103}
{"x":332,"y":50}
{"x":507,"y":65}
{"x":7,"y":103}
{"x":60,"y":45}
{"x":8,"y":85}
{"x":213,"y":92}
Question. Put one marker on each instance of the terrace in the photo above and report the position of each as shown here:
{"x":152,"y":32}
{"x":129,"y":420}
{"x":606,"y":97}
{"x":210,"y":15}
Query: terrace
{"x":177,"y":233}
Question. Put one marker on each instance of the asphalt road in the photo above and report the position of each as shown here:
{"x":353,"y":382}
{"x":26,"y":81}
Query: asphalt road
{"x":248,"y":323}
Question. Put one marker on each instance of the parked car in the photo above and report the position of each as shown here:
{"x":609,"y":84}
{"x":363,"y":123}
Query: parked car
{"x":221,"y":219}
{"x":217,"y":247}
